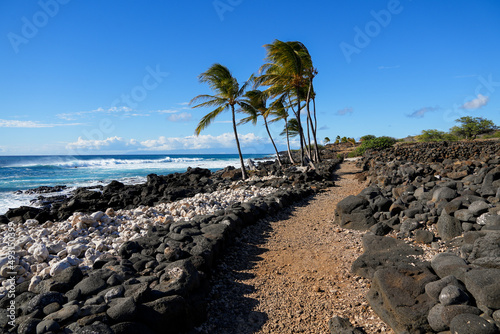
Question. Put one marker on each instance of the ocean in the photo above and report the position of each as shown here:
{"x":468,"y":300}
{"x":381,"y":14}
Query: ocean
{"x":28,"y":172}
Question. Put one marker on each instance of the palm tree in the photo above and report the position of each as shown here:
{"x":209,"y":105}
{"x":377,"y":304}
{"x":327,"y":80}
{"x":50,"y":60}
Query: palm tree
{"x":255,"y":106}
{"x":326,"y":140}
{"x":284,"y":73}
{"x":292,"y":127}
{"x":228,"y":94}
{"x":280,"y":113}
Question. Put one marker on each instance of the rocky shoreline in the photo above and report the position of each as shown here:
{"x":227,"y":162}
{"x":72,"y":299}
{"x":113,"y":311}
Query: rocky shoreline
{"x":145,"y":267}
{"x":431,"y":217}
{"x":432,"y":247}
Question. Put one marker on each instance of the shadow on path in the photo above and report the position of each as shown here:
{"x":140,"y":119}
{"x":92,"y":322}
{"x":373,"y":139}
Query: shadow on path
{"x":230,"y":309}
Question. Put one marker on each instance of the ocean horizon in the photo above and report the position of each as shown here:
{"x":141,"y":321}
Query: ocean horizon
{"x":19,"y":173}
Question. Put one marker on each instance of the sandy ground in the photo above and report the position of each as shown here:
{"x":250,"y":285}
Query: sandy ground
{"x":291,"y":273}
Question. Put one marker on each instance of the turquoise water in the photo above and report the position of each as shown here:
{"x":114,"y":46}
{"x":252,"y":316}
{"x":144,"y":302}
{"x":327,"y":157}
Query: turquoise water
{"x":27,"y":172}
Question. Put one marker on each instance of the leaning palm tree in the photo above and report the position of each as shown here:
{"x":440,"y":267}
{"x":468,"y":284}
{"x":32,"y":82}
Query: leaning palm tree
{"x":228,"y":94}
{"x":309,"y":73}
{"x":281,"y":114}
{"x":285,"y":73}
{"x":256,"y":105}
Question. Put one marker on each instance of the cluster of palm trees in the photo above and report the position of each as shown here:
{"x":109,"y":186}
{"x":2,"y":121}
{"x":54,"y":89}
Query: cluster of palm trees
{"x":287,"y":82}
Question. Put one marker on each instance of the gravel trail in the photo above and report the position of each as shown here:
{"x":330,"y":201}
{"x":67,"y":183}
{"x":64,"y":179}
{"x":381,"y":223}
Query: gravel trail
{"x":291,"y":273}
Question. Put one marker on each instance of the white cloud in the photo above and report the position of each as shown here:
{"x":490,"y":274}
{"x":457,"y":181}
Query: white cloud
{"x":478,"y":102}
{"x":345,"y":111}
{"x":183,"y":103}
{"x":167,"y":111}
{"x":419,"y":113}
{"x":4,"y":123}
{"x":111,"y":143}
{"x":225,"y":140}
{"x":77,"y":114}
{"x":182,"y":117}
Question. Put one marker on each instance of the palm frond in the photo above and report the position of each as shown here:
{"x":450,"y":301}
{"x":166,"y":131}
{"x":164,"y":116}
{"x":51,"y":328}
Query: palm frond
{"x":293,"y":128}
{"x":208,"y":119}
{"x":210,"y":101}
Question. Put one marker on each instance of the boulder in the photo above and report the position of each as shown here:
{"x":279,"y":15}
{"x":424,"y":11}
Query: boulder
{"x":91,"y":285}
{"x":166,"y":315}
{"x":451,"y":311}
{"x":443,"y":193}
{"x":487,"y":246}
{"x":122,"y":309}
{"x":354,"y":212}
{"x":435,"y":319}
{"x":382,"y":252}
{"x":433,"y":289}
{"x":467,"y":323}
{"x":66,"y":314}
{"x":478,"y":207}
{"x":446,"y":264}
{"x":448,"y":227}
{"x":484,"y":285}
{"x":44,"y":299}
{"x":453,"y":295}
{"x":424,"y":236}
{"x":398,"y":297}
{"x":47,"y":326}
{"x":28,"y":326}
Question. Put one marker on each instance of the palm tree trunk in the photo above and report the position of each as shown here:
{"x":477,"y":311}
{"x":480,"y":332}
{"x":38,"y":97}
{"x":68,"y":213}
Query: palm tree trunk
{"x":315,"y":128}
{"x":301,"y":133}
{"x":272,"y":141}
{"x":243,"y":171}
{"x":308,"y":146}
{"x":288,"y":143}
{"x":308,"y":99}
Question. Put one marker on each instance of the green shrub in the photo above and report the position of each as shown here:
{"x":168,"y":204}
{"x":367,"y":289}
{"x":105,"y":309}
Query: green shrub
{"x":494,"y":135}
{"x":436,"y":135}
{"x":377,"y":143}
{"x":367,"y":137}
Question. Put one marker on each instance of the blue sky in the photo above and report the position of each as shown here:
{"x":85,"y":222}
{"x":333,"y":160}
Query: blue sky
{"x":107,"y":77}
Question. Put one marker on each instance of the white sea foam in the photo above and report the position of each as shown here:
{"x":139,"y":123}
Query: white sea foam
{"x":32,"y":172}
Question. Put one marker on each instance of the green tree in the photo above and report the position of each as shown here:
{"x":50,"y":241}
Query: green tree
{"x":255,"y":106}
{"x":326,"y":140}
{"x":472,"y":127}
{"x":228,"y":94}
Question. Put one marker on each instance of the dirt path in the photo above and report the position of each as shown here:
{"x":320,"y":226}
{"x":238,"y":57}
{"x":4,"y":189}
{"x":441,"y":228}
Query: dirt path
{"x":291,"y":274}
